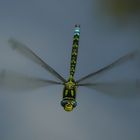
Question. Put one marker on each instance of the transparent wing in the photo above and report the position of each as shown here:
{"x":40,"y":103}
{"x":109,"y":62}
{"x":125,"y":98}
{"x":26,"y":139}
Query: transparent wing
{"x":15,"y":81}
{"x":116,"y":63}
{"x":24,"y":50}
{"x":121,"y":88}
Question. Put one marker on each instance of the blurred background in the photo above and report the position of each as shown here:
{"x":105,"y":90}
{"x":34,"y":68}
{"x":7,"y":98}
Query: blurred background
{"x":109,"y":29}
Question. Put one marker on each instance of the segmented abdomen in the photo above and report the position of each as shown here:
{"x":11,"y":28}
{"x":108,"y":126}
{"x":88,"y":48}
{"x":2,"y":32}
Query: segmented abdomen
{"x":74,"y":52}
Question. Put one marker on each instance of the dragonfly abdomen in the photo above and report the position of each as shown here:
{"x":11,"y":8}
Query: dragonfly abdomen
{"x":74,"y":52}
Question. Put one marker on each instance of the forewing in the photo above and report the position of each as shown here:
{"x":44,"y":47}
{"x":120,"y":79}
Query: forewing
{"x":116,"y":63}
{"x":24,"y":50}
{"x":15,"y":81}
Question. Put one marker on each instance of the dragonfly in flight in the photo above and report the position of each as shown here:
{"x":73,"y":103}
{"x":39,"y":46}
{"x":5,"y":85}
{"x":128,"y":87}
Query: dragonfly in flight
{"x":70,"y":85}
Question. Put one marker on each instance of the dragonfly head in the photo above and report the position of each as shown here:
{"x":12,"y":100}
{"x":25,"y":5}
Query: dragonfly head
{"x":68,"y":107}
{"x":68,"y":104}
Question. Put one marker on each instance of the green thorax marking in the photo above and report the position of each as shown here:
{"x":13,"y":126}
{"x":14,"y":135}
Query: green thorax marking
{"x":70,"y":89}
{"x":70,"y":84}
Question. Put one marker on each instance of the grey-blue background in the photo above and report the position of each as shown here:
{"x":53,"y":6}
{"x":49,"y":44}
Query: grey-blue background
{"x":46,"y":26}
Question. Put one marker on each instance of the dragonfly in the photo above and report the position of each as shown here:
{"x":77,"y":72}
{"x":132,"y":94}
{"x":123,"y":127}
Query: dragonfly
{"x":70,"y":85}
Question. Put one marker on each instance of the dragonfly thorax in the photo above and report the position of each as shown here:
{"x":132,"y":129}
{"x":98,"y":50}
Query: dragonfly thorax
{"x":70,"y":84}
{"x":69,"y":95}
